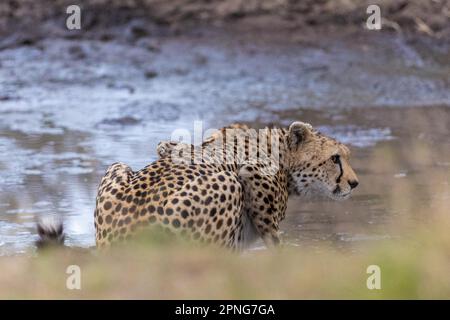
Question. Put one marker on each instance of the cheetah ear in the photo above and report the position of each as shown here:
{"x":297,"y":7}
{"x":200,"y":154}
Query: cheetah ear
{"x":299,"y":132}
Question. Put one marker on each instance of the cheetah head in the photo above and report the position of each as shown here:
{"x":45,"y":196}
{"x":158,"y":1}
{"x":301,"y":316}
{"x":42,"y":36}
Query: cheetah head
{"x":318,"y":165}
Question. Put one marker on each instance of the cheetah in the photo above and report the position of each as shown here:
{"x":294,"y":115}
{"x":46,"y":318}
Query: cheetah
{"x":230,"y":191}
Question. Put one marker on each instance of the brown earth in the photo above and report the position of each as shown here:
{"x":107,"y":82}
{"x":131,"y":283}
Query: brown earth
{"x":427,"y":17}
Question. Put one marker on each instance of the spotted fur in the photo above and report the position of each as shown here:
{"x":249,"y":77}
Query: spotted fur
{"x":217,"y":192}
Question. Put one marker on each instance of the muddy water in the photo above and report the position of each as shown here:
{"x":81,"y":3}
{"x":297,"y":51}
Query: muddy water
{"x":69,"y":108}
{"x":402,"y":158}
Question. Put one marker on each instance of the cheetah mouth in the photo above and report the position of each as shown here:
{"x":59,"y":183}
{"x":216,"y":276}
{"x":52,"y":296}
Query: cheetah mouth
{"x":337,"y":190}
{"x":339,"y":195}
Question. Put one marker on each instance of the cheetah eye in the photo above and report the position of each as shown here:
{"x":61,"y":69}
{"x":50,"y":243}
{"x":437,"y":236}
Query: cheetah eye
{"x":335,"y":158}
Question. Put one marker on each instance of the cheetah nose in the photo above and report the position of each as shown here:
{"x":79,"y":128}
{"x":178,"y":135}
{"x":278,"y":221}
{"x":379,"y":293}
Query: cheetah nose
{"x":353,"y":183}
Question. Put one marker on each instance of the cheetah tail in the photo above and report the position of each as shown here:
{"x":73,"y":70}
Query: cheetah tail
{"x":50,"y":234}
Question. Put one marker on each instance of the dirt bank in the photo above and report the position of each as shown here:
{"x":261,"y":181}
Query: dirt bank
{"x":416,"y":16}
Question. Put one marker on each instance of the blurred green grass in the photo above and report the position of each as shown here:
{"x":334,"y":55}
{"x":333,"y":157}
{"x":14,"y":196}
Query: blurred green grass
{"x":414,"y":264}
{"x":412,"y":267}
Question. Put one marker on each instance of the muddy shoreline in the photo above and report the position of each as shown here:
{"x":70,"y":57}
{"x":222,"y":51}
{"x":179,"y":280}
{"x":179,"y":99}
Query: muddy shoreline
{"x":430,"y":18}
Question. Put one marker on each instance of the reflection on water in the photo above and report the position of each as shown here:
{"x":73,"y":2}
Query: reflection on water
{"x":62,"y":122}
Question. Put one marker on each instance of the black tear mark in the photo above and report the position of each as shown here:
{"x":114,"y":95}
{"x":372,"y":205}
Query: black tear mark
{"x":338,"y":180}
